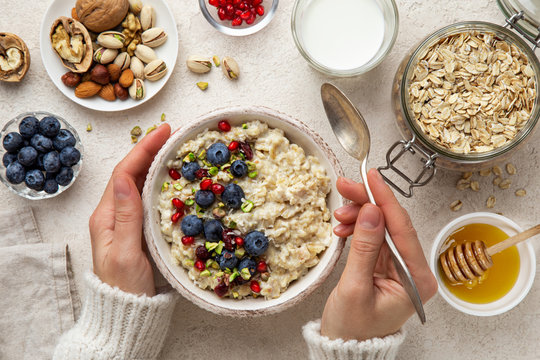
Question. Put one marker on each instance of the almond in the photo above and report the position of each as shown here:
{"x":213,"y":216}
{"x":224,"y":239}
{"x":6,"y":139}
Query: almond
{"x":87,"y":89}
{"x":107,"y":93}
{"x":126,"y":79}
{"x":114,"y":72}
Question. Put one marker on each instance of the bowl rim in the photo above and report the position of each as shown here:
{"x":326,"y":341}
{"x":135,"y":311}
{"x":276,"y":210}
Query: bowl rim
{"x":147,"y":207}
{"x":41,"y":195}
{"x":240,"y":31}
{"x":451,"y":299}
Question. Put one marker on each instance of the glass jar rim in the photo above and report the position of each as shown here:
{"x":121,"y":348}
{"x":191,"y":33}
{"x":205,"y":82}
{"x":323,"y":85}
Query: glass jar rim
{"x":452,"y":29}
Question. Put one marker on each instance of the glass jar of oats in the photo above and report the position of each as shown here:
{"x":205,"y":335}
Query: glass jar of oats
{"x":465,"y":98}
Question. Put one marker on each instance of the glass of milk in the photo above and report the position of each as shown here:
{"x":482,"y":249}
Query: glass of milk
{"x":344,"y":37}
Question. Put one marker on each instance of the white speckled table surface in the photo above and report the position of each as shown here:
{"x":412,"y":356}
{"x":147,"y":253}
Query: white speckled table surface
{"x":275,"y":75}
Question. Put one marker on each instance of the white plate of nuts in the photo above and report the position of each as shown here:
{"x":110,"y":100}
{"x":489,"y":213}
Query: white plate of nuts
{"x":111,"y":57}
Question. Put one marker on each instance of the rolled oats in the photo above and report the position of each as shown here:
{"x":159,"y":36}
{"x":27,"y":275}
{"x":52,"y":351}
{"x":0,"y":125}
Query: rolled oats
{"x":505,"y":184}
{"x":490,"y":203}
{"x":497,"y":170}
{"x":467,"y":175}
{"x":463,"y":184}
{"x":511,"y":169}
{"x":475,"y":186}
{"x":485,"y":172}
{"x":521,"y":192}
{"x":456,"y":205}
{"x":497,"y":181}
{"x":472,"y":92}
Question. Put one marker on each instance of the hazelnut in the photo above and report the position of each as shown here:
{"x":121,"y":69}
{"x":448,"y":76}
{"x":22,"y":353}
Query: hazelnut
{"x":100,"y":75}
{"x":120,"y":92}
{"x":71,"y":79}
{"x":114,"y":72}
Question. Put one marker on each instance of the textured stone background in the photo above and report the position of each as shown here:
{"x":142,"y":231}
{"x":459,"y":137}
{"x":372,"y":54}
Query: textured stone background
{"x":275,"y":75}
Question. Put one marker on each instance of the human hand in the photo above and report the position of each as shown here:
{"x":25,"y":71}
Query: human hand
{"x":369,"y":300}
{"x":116,"y":224}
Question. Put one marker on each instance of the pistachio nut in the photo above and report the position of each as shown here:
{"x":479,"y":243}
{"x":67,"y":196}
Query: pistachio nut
{"x":198,"y":64}
{"x":111,"y":39}
{"x":155,"y":70}
{"x":135,"y":6}
{"x":105,"y":56}
{"x":137,"y":67}
{"x":137,"y":90}
{"x":145,"y":54}
{"x":230,"y":68}
{"x":123,"y":60}
{"x":148,"y":17}
{"x":154,"y":37}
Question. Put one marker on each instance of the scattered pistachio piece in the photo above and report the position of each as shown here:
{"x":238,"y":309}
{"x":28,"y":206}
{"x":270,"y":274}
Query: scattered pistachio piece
{"x":216,"y":61}
{"x":150,"y":129}
{"x":202,"y":155}
{"x":177,"y":187}
{"x":189,"y":202}
{"x":247,"y":206}
{"x":239,"y":253}
{"x":134,"y":139}
{"x":163,"y":117}
{"x":165,"y":186}
{"x":265,"y":276}
{"x":244,"y":126}
{"x":245,"y":274}
{"x":232,"y":225}
{"x":235,"y":294}
{"x":189,"y":262}
{"x":202,"y":85}
{"x":136,"y":131}
{"x":206,"y":273}
{"x":88,"y":127}
{"x":521,"y":192}
{"x":210,"y":245}
{"x":253,"y":174}
{"x":219,"y":213}
{"x":456,"y":205}
{"x":219,"y":248}
{"x":230,"y":68}
{"x":206,"y":163}
{"x":213,"y":171}
{"x":490,"y":204}
{"x":234,"y":275}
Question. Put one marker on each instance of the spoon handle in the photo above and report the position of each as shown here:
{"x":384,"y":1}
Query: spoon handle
{"x":405,"y":276}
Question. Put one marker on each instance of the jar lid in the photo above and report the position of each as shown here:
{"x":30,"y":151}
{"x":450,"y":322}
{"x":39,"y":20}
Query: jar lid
{"x":523,"y":15}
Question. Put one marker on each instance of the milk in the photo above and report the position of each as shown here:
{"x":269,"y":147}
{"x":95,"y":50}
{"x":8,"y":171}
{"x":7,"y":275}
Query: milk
{"x":342,"y":34}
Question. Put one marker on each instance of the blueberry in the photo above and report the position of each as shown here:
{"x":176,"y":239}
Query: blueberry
{"x":188,"y":170}
{"x":63,"y":139}
{"x":191,"y":225}
{"x":213,"y":230}
{"x":69,"y":156}
{"x":255,"y":243}
{"x":232,"y":196}
{"x":218,"y":154}
{"x":248,"y":263}
{"x":27,"y":156}
{"x":51,"y":162}
{"x":9,"y":158}
{"x":39,"y":162}
{"x":50,"y":175}
{"x":64,"y":176}
{"x":239,"y":168}
{"x":227,"y":260}
{"x":41,"y":143}
{"x":51,"y":186}
{"x":35,"y":180}
{"x":28,"y":127}
{"x":12,"y":142}
{"x":205,"y":198}
{"x":49,"y":126}
{"x":15,"y":173}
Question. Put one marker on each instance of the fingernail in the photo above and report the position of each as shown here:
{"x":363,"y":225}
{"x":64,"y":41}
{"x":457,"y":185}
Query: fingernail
{"x":342,"y":210}
{"x":369,"y":217}
{"x":122,"y":190}
{"x":339,"y":228}
{"x":377,"y":174}
{"x":347,"y":180}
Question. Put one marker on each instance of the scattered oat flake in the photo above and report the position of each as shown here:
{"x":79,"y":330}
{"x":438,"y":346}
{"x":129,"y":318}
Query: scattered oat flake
{"x":490,"y":203}
{"x":475,"y":186}
{"x":505,"y":184}
{"x":456,"y":205}
{"x":511,"y":169}
{"x":485,"y":172}
{"x":463,"y":184}
{"x":521,"y":192}
{"x":497,"y":171}
{"x":497,"y":181}
{"x":467,"y":175}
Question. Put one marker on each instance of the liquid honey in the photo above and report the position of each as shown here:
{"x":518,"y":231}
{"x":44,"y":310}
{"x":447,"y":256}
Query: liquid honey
{"x":499,"y":279}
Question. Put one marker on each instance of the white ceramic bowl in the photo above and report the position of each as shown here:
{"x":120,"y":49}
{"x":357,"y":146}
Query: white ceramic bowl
{"x":527,"y":268}
{"x":167,"y":52}
{"x":177,"y":276}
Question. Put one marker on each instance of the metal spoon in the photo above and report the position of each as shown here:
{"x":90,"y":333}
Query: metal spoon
{"x":352,"y":132}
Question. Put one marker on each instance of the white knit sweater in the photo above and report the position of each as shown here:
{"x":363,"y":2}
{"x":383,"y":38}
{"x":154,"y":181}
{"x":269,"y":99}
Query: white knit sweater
{"x":117,"y":325}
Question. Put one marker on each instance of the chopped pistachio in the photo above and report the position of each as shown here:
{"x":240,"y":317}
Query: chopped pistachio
{"x":242,"y":156}
{"x":193,"y":191}
{"x":239,"y":253}
{"x":230,"y":175}
{"x":227,"y":271}
{"x":253,"y":174}
{"x":162,"y":117}
{"x":199,"y":210}
{"x":215,"y":265}
{"x":88,"y":127}
{"x":202,"y":155}
{"x":189,"y":202}
{"x":219,"y":248}
{"x":246,"y":275}
{"x":178,"y":187}
{"x":244,"y":126}
{"x":223,"y":167}
{"x":234,"y":275}
{"x":213,"y":171}
{"x":232,"y":225}
{"x":215,"y":58}
{"x":206,"y":273}
{"x":219,"y":213}
{"x":210,"y":245}
{"x":208,"y":263}
{"x":206,"y":163}
{"x":251,"y":165}
{"x":220,"y":204}
{"x":247,"y":206}
{"x":235,"y":294}
{"x":150,"y":129}
{"x":189,"y":262}
{"x":265,"y":276}
{"x":219,"y":273}
{"x":134,"y":139}
{"x":202,"y":85}
{"x":165,"y":186}
{"x":136,"y":131}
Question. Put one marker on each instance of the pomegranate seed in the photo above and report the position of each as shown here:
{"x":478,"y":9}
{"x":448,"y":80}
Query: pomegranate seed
{"x":174,"y":174}
{"x":177,"y":203}
{"x":251,"y":19}
{"x":202,"y":253}
{"x":236,"y":2}
{"x":238,"y":12}
{"x":229,"y":9}
{"x":201,"y":173}
{"x":241,"y":6}
{"x":175,"y":217}
{"x":205,"y":184}
{"x":245,"y":15}
{"x":221,"y":13}
{"x":224,"y":126}
{"x":222,"y":2}
{"x":257,"y":2}
{"x":217,"y":189}
{"x":261,"y":267}
{"x":221,"y":289}
{"x":214,"y":2}
{"x":255,"y":287}
{"x":199,"y":264}
{"x":239,"y":241}
{"x":188,"y":240}
{"x":260,"y":10}
{"x":233,"y":145}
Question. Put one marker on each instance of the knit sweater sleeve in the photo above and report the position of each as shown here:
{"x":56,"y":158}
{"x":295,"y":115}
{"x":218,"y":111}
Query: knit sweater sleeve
{"x":117,"y":325}
{"x":322,"y":348}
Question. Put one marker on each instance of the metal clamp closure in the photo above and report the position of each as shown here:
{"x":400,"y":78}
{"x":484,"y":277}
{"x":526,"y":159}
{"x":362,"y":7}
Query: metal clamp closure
{"x":425,"y":176}
{"x":512,"y":22}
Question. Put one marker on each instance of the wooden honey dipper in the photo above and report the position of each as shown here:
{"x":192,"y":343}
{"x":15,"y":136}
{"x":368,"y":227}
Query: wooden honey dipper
{"x":470,"y":260}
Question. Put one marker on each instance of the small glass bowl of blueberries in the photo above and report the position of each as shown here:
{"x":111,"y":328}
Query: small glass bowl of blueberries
{"x":41,"y":155}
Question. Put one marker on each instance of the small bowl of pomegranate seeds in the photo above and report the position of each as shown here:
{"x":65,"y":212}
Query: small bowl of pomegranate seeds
{"x":238,"y":211}
{"x":238,"y":17}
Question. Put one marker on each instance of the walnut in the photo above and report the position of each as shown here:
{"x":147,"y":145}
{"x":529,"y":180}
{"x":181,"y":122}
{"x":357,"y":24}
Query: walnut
{"x":101,"y":15}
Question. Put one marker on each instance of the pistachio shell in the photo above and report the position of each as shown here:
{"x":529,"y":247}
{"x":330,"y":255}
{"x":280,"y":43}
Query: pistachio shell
{"x":135,"y":6}
{"x":155,"y":70}
{"x":198,"y":64}
{"x":105,"y":56}
{"x":111,"y":39}
{"x":123,"y":60}
{"x":154,"y":37}
{"x":230,"y":68}
{"x":137,"y":67}
{"x":148,"y":17}
{"x":145,"y":54}
{"x":137,"y":90}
